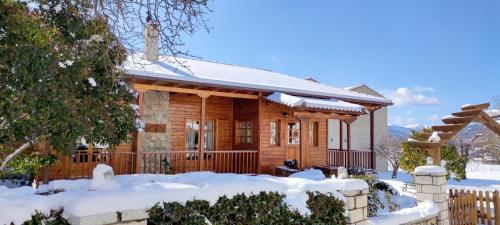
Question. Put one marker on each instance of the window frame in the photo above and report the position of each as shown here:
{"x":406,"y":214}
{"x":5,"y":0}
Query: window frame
{"x":276,"y":140}
{"x":246,"y":130}
{"x":314,"y":133}
{"x":290,"y":131}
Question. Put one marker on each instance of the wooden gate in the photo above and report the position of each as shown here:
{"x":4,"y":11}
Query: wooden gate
{"x":474,"y":207}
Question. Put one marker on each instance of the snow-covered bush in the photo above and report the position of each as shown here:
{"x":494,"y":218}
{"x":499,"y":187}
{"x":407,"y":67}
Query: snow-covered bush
{"x":376,"y":189}
{"x":262,"y":208}
{"x":55,"y":217}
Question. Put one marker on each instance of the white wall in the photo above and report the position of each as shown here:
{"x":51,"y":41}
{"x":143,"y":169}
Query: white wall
{"x":360,"y":131}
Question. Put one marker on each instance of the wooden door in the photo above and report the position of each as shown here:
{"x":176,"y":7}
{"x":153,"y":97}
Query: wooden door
{"x":292,"y":142}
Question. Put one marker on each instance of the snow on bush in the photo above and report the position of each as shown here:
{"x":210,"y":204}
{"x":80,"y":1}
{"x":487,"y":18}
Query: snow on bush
{"x":134,"y":192}
{"x":422,"y":210}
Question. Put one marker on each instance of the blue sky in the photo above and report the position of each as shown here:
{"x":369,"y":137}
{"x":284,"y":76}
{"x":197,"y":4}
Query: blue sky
{"x":429,"y":56}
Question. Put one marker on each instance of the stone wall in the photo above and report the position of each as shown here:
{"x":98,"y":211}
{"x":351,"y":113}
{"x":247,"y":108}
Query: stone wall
{"x":357,"y":206}
{"x":431,"y":186}
{"x":155,"y":109}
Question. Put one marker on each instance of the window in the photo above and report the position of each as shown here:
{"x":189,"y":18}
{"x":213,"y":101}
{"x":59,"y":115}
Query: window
{"x":294,"y":133}
{"x":244,"y":132}
{"x":274,"y":132}
{"x":210,"y":135}
{"x":193,"y":131}
{"x":313,"y":133}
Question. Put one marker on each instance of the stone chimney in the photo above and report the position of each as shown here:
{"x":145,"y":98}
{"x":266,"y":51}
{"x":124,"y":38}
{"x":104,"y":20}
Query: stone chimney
{"x":151,"y":40}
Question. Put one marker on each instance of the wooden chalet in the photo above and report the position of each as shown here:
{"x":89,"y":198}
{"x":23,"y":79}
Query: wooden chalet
{"x":206,"y":116}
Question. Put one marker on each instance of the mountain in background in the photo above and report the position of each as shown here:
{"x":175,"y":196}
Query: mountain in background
{"x":399,"y":132}
{"x":403,"y":133}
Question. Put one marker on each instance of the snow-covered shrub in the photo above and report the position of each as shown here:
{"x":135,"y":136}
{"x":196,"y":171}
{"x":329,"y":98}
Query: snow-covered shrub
{"x":374,"y":202}
{"x":55,"y":217}
{"x":263,"y":208}
{"x":325,"y":209}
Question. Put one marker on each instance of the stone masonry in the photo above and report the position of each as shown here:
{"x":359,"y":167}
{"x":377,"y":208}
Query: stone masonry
{"x":155,"y":111}
{"x":357,"y":206}
{"x":431,"y":186}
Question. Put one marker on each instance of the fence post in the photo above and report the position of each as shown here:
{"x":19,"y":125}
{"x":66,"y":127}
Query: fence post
{"x":431,"y":186}
{"x":496,"y":206}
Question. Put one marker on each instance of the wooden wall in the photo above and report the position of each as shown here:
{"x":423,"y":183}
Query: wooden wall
{"x":274,"y":155}
{"x":247,"y":110}
{"x":187,"y":106}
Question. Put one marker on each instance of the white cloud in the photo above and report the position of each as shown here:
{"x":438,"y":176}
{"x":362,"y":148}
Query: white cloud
{"x":433,"y":117}
{"x":411,"y":96}
{"x":405,"y":121}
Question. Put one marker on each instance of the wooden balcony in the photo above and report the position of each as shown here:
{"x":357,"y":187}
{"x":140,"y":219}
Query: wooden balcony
{"x":357,"y":158}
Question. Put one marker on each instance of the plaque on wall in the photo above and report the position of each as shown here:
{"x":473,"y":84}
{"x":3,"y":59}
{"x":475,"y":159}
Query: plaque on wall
{"x":155,"y":128}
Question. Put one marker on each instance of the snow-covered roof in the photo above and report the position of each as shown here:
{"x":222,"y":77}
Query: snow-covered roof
{"x":212,"y":73}
{"x":330,"y":104}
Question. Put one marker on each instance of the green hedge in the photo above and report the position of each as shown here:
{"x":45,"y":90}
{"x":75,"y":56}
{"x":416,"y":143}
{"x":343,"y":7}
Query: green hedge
{"x":263,"y":208}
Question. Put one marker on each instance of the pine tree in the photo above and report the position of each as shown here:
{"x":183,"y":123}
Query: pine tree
{"x":60,"y":78}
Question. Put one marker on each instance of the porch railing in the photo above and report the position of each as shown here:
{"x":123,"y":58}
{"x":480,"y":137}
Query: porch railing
{"x":188,"y":161}
{"x":81,"y":164}
{"x":357,"y":158}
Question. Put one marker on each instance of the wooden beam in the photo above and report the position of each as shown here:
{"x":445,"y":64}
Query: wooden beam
{"x":372,"y":138}
{"x":146,"y":87}
{"x":472,"y":112}
{"x":490,"y":122}
{"x":349,"y":158}
{"x":140,"y":103}
{"x":341,"y":142}
{"x":201,"y":141}
{"x":478,"y":106}
{"x":457,"y":120}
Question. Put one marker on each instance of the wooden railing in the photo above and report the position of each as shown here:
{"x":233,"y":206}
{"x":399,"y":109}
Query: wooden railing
{"x":357,"y":158}
{"x":474,"y":207}
{"x":80,"y":164}
{"x":172,"y":162}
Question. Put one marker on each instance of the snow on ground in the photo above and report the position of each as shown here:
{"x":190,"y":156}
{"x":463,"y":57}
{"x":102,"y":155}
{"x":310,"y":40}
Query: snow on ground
{"x":423,"y":210}
{"x":479,"y":176}
{"x":132,"y":192}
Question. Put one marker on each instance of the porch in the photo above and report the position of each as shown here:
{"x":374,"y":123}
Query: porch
{"x":244,"y":132}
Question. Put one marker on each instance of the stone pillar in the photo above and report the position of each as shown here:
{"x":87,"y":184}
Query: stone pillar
{"x":155,"y":113}
{"x":357,"y":206}
{"x":431,"y":186}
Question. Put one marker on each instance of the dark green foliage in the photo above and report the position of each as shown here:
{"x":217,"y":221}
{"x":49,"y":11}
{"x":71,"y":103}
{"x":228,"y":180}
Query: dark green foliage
{"x":454,"y":162}
{"x":46,"y":59}
{"x":54,"y":218}
{"x":175,"y":213}
{"x":263,"y":208}
{"x":374,"y":202}
{"x":325,"y":209}
{"x":414,"y":157}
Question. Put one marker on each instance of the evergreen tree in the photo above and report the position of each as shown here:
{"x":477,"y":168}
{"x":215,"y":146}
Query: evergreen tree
{"x":60,"y":78}
{"x":414,"y":157}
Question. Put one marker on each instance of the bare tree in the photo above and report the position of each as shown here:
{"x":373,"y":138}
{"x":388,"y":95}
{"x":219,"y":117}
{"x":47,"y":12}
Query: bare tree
{"x":391,"y":148}
{"x":476,"y":143}
{"x":177,"y":19}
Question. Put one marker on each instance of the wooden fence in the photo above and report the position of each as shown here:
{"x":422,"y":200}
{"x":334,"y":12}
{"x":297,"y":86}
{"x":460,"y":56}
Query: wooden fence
{"x":474,"y":207}
{"x":357,"y":158}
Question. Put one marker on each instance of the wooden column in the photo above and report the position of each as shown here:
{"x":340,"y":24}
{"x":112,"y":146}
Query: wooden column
{"x":372,"y":141}
{"x":138,"y":157}
{"x":201,"y":140}
{"x":341,"y":142}
{"x":303,"y":141}
{"x":349,"y":158}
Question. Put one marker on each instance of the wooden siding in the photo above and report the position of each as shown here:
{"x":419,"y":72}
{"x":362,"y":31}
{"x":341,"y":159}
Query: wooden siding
{"x":247,"y":110}
{"x":187,"y":106}
{"x":274,"y":155}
